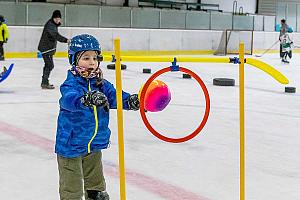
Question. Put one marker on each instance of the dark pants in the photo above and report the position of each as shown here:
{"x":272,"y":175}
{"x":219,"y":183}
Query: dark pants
{"x":281,"y":53}
{"x":1,"y":50}
{"x":287,"y":53}
{"x":49,"y":65}
{"x":78,"y":174}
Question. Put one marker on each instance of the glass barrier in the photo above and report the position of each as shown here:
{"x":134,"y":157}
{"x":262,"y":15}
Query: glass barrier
{"x":74,"y":15}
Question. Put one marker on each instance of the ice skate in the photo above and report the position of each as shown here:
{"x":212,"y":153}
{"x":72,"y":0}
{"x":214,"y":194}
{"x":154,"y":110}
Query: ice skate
{"x":97,"y":195}
{"x":46,"y":85}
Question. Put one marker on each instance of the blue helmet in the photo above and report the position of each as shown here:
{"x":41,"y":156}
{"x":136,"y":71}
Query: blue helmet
{"x":83,"y":42}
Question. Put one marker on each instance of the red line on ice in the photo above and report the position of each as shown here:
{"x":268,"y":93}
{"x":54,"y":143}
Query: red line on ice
{"x":151,"y":185}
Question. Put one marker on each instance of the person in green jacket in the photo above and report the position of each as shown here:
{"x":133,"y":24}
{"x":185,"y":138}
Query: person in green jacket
{"x":3,"y":36}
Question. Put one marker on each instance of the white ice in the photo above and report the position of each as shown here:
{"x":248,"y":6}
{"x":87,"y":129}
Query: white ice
{"x":206,"y":167}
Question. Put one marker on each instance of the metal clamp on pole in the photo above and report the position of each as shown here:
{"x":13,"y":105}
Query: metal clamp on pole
{"x":234,"y":60}
{"x":113,"y":58}
{"x":174,"y":67}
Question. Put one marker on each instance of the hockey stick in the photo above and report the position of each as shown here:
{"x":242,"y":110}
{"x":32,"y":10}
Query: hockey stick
{"x":48,"y":51}
{"x":267,"y":49}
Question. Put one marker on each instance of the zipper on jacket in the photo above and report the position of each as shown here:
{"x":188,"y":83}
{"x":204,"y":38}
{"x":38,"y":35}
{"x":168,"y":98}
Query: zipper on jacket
{"x":96,"y":121}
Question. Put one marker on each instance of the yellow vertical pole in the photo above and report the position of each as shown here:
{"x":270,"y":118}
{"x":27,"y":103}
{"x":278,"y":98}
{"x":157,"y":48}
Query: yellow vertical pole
{"x":120,"y":120}
{"x":242,"y":121}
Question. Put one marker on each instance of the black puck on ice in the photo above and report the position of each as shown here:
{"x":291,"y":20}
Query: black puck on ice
{"x":186,"y":76}
{"x":112,"y":66}
{"x":146,"y":70}
{"x":290,"y":89}
{"x":223,"y":82}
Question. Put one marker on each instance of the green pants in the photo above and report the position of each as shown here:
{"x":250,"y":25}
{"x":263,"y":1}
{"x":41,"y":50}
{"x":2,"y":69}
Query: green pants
{"x":80,"y":174}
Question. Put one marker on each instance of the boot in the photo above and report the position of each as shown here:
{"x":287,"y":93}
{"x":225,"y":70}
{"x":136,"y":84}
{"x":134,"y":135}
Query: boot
{"x":45,"y":85}
{"x":49,"y":87}
{"x":284,"y":60}
{"x":97,"y":195}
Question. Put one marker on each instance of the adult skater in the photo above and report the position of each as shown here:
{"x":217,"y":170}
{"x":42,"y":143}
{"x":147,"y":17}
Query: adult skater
{"x":47,"y":46}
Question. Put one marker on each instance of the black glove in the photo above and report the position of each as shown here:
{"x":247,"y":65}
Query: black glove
{"x":133,"y":102}
{"x":95,"y":98}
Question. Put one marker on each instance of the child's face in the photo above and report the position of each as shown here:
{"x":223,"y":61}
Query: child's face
{"x":88,"y":60}
{"x":87,"y":65}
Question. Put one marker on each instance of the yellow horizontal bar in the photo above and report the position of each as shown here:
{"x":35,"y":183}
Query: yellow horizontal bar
{"x":160,"y":53}
{"x":171,"y":59}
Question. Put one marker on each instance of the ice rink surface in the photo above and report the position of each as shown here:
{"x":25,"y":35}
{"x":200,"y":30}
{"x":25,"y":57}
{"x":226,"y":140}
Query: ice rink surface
{"x":204,"y":168}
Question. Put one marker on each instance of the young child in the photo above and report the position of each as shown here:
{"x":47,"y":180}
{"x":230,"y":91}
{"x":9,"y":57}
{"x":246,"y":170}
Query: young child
{"x":82,"y":130}
{"x":286,"y":44}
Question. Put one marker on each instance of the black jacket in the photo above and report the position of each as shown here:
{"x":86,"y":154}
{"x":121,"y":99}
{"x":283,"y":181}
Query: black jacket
{"x":49,"y":38}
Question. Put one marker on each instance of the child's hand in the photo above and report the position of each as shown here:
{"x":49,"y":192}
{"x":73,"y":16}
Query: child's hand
{"x":95,"y":98}
{"x":133,"y":102}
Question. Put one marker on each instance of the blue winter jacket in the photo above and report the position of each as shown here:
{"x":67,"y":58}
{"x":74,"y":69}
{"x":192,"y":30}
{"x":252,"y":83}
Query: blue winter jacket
{"x":77,"y":132}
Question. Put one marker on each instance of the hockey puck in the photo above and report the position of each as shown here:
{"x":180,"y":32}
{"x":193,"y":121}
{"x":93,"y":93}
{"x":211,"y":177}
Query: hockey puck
{"x":290,"y":89}
{"x":146,"y":70}
{"x":112,"y":66}
{"x":186,"y":76}
{"x":223,"y":82}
